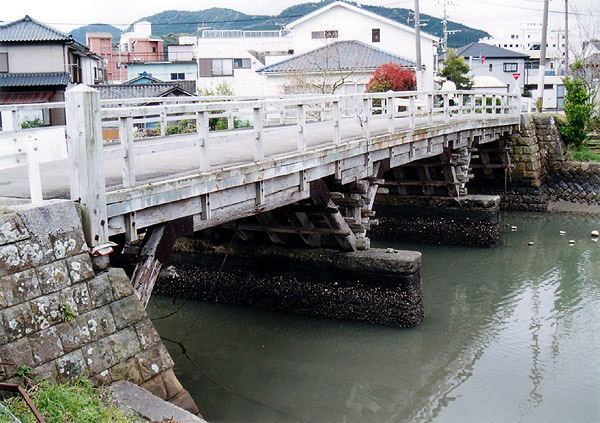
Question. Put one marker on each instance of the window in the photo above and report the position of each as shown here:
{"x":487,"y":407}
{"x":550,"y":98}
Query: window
{"x":375,"y":35}
{"x":222,"y":67}
{"x":491,"y":67}
{"x":3,"y":62}
{"x":241,"y":63}
{"x":330,"y":33}
{"x":153,"y":49}
{"x":511,"y":67}
{"x":175,"y":76}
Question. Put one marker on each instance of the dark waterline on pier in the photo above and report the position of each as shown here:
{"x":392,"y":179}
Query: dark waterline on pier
{"x":510,"y":334}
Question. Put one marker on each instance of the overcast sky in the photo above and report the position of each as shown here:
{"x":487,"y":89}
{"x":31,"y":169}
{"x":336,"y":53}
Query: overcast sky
{"x":495,"y":16}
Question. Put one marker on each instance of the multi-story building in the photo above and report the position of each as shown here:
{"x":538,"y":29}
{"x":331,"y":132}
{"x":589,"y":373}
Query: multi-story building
{"x":137,"y":46}
{"x":37,"y":64}
{"x":238,"y":57}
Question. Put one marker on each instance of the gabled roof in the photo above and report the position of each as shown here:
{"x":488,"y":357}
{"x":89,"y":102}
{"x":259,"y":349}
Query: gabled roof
{"x":487,"y":50}
{"x":33,"y":79}
{"x":338,"y":56}
{"x":28,"y":29}
{"x":143,"y":78}
{"x":361,"y":11}
{"x":117,"y":92}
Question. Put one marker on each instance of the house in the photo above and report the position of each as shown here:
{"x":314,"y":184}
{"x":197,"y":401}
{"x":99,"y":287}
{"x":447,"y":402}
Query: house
{"x":342,"y":67}
{"x":164,"y":71}
{"x":232,"y":57}
{"x":138,"y":46}
{"x":239,"y":57}
{"x":37,"y":64}
{"x":188,"y":85}
{"x":341,"y":21}
{"x":487,"y":60}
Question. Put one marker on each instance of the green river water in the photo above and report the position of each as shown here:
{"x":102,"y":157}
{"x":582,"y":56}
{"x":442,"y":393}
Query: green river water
{"x":511,"y":334}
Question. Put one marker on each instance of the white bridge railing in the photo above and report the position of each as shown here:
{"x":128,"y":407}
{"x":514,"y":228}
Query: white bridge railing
{"x":99,"y":131}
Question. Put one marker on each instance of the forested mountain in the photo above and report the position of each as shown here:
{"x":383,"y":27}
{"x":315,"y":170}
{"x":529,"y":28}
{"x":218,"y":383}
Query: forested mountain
{"x":187,"y":22}
{"x":79,"y":33}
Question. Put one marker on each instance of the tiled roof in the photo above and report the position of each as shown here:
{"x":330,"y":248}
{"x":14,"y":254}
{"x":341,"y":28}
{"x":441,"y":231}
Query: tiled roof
{"x":28,"y":29}
{"x":487,"y":50}
{"x":338,"y":56}
{"x":33,"y":79}
{"x":117,"y":92}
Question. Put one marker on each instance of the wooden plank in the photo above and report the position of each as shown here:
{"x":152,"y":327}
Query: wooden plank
{"x":297,"y":230}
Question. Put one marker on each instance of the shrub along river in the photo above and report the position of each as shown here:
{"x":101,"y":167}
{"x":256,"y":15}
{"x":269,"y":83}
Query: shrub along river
{"x":511,"y":334}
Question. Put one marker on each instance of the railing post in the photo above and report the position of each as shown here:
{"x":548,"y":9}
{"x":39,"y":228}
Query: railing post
{"x":494,"y":105}
{"x":301,"y":121}
{"x":461,"y":102}
{"x":390,"y":111}
{"x":446,"y":107}
{"x":366,"y":112}
{"x":412,"y":111}
{"x":163,"y":123}
{"x":16,"y":120}
{"x":35,"y":178}
{"x":484,"y":106}
{"x":86,"y":160}
{"x":259,"y":151}
{"x":126,"y":138}
{"x":430,"y":99}
{"x":202,"y":129}
{"x":336,"y":122}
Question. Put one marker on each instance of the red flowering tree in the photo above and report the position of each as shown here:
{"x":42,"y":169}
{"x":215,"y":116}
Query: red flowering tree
{"x":392,"y":77}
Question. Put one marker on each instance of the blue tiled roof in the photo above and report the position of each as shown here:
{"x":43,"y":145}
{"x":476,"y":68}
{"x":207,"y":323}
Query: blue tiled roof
{"x":33,"y":79}
{"x":338,"y":56}
{"x":28,"y":29}
{"x":121,"y":91}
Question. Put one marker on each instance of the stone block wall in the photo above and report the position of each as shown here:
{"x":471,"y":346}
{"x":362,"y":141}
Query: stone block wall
{"x":576,"y":182}
{"x":526,"y":157}
{"x":63,"y":320}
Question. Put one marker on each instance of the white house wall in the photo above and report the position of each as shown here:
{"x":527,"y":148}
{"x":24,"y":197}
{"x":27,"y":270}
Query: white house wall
{"x":244,"y":82}
{"x":352,"y":25}
{"x":35,"y":58}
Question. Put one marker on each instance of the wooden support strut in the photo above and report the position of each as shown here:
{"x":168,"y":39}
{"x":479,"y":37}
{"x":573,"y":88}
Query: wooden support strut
{"x":156,"y":251}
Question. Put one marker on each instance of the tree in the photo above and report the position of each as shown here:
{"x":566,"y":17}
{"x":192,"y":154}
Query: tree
{"x":456,"y":68}
{"x":322,"y":72}
{"x":392,"y":77}
{"x":578,"y":109}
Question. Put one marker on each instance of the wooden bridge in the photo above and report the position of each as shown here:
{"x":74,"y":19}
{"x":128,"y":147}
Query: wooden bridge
{"x":212,"y":162}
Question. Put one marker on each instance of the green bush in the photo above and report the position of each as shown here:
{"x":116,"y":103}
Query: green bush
{"x":578,"y":110}
{"x":33,"y":123}
{"x":582,"y":153}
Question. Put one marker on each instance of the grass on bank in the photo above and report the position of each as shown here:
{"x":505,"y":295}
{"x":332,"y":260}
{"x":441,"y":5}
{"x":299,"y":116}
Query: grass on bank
{"x":65,"y":403}
{"x":582,"y":154}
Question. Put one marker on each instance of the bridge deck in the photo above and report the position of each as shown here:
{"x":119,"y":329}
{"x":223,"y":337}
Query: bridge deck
{"x":168,"y":183}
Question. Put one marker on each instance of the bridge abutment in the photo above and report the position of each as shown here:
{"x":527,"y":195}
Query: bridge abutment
{"x":471,"y":220}
{"x":65,"y":320}
{"x":376,"y":286}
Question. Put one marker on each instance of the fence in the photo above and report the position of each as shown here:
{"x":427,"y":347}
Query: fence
{"x":151,"y":126}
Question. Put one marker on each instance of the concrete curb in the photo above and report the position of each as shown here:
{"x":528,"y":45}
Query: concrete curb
{"x":151,"y":407}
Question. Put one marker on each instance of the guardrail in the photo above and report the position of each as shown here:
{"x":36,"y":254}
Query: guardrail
{"x":199,"y":121}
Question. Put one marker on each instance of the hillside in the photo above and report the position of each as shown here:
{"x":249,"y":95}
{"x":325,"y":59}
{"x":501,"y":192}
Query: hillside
{"x":79,"y":33}
{"x":187,"y":22}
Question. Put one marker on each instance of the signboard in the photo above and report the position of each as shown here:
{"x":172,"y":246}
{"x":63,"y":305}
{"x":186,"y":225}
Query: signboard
{"x":516,"y":76}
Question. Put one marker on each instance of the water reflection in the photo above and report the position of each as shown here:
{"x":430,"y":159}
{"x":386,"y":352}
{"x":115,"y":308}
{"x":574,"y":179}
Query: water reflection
{"x":510,"y":334}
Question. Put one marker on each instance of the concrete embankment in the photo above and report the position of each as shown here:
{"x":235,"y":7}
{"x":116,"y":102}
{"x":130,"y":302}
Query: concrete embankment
{"x":65,"y":320}
{"x":375,"y":286}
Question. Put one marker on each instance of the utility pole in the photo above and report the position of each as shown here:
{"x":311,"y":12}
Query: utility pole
{"x":542,"y":68}
{"x":566,"y":38}
{"x":445,"y":23}
{"x":419,"y":70}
